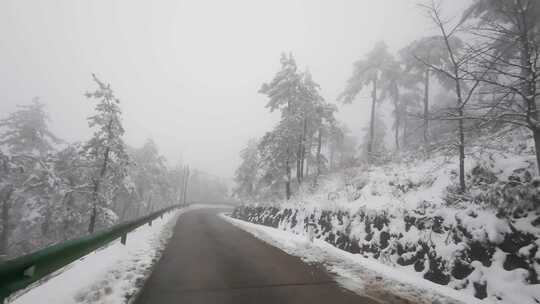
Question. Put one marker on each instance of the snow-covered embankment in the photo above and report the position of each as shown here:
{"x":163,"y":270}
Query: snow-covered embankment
{"x":483,"y":245}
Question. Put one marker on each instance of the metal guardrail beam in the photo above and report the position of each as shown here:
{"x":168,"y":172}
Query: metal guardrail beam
{"x":18,"y":273}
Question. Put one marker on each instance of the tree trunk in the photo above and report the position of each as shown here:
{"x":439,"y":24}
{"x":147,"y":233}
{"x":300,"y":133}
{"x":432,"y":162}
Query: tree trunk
{"x":319,"y":145}
{"x":138,"y":212}
{"x":536,"y":136}
{"x":46,"y":225}
{"x":93,"y":215}
{"x":125,"y":208}
{"x":68,"y":204}
{"x":405,"y":128}
{"x":299,"y":161}
{"x":6,"y":206}
{"x":398,"y":122}
{"x":396,"y":135}
{"x":288,"y":182}
{"x":301,"y":154}
{"x":461,"y":131}
{"x":460,"y":106}
{"x":461,"y":153}
{"x":332,"y":154}
{"x":426,"y":108}
{"x":186,"y":183}
{"x":302,"y":160}
{"x":97,"y":185}
{"x":372,"y":122}
{"x":528,"y":72}
{"x":304,"y":139}
{"x":149,"y":207}
{"x":533,"y":114}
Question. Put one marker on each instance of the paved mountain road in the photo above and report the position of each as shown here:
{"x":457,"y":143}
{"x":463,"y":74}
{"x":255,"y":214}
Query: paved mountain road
{"x":208,"y":260}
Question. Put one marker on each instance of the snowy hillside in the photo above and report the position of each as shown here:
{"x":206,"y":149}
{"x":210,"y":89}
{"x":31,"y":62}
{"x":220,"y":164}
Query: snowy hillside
{"x":408,"y":215}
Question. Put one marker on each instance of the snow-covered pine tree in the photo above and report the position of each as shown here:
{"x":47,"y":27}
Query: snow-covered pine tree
{"x":26,"y":130}
{"x":303,"y":113}
{"x":283,"y":90}
{"x":72,"y":169}
{"x":418,"y":57}
{"x":368,"y":71}
{"x":149,"y":174}
{"x":318,"y":116}
{"x":106,"y":149}
{"x":246,"y":175}
{"x":284,"y":95}
{"x":276,"y":157}
{"x":411,"y":109}
{"x":27,"y":178}
{"x":341,"y":146}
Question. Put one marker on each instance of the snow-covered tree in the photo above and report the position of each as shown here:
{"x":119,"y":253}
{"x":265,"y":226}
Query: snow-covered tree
{"x":283,"y":91}
{"x":304,"y":114}
{"x":276,"y":157}
{"x":368,"y":71}
{"x":72,"y":169}
{"x":410,"y":108}
{"x":317,"y":118}
{"x":398,"y":86}
{"x":418,"y":56}
{"x":285,"y":95}
{"x":106,"y":149}
{"x":149,"y":175}
{"x":27,"y":178}
{"x":457,"y":71}
{"x":26,"y":130}
{"x":246,"y":176}
{"x":511,"y":59}
{"x":342,"y":147}
{"x":379,"y":149}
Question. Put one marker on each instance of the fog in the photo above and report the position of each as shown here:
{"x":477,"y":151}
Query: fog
{"x":291,"y":151}
{"x":188,"y":72}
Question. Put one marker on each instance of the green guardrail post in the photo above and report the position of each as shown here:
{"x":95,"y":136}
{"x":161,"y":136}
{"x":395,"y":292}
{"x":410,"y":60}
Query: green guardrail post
{"x":30,"y":271}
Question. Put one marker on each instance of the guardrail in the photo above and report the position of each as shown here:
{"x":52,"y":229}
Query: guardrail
{"x":20,"y":272}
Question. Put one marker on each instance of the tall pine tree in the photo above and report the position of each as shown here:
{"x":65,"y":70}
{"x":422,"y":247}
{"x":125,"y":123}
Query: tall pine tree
{"x":106,"y":149}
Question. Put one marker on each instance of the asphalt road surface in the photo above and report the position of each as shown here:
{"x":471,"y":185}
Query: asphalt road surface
{"x":208,"y":260}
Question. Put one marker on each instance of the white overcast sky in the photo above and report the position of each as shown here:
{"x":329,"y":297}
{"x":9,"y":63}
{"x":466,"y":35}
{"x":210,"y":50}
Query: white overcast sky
{"x":188,"y":71}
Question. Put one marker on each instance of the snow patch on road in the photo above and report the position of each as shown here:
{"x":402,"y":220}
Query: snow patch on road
{"x":356,"y":273}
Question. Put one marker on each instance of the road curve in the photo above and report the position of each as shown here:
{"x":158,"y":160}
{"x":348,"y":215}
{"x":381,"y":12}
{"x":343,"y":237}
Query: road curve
{"x":208,"y":260}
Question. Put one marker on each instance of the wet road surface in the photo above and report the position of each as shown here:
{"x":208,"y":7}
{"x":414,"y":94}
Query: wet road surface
{"x":208,"y":260}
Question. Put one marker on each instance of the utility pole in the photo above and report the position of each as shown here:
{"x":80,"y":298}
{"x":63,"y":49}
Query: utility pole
{"x":186,"y":183}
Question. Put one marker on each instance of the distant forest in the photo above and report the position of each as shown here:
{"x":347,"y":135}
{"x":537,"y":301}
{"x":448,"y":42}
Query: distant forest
{"x":52,"y":191}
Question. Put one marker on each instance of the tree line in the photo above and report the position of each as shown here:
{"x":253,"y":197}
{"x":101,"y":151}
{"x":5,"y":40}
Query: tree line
{"x":285,"y":157}
{"x":477,"y":75}
{"x":52,"y":191}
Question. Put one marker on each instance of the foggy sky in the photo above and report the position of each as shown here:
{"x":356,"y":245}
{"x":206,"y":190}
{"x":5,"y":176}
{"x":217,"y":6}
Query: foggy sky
{"x":187,"y":72}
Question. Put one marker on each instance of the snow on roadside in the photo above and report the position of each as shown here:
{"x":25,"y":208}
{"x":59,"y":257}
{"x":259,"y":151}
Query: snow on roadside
{"x":110,"y":275}
{"x":356,"y":273}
